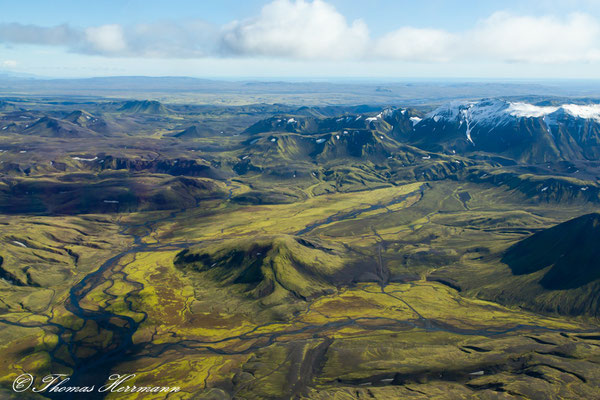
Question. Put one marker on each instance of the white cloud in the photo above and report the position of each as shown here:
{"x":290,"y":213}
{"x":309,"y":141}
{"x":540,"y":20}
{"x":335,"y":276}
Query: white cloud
{"x":297,"y":29}
{"x":179,"y":39}
{"x":316,"y":31}
{"x":106,"y":38}
{"x":502,"y":37}
{"x":543,"y":39}
{"x":9,"y":64}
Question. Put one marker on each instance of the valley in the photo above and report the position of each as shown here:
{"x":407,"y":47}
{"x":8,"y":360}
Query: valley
{"x":271,"y":251}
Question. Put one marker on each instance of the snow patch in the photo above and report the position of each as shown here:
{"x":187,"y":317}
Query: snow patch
{"x":591,"y":111}
{"x":465,"y":115}
{"x":500,"y":112}
{"x":84,"y":159}
{"x":415,"y":120}
{"x":529,"y":110}
{"x":547,"y":122}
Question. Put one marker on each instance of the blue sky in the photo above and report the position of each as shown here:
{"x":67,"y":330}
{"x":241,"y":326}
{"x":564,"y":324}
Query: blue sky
{"x":379,"y":39}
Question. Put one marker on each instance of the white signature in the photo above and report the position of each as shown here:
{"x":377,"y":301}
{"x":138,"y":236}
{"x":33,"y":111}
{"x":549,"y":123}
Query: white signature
{"x":57,"y":383}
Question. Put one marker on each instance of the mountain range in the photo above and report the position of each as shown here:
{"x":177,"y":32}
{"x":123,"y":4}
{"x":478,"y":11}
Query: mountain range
{"x":522,"y":131}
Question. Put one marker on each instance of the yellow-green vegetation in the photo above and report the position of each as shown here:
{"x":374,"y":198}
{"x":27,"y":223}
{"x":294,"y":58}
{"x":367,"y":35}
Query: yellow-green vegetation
{"x":332,"y":296}
{"x":232,"y":255}
{"x":42,"y":258}
{"x":242,"y":221}
{"x":272,"y":267}
{"x":415,"y":334}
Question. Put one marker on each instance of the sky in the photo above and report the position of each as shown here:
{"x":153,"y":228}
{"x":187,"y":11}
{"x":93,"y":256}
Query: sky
{"x":303,"y":39}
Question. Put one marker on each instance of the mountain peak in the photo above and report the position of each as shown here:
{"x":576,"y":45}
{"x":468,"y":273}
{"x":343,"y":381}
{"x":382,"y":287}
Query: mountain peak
{"x":524,"y":131}
{"x":499,"y":110}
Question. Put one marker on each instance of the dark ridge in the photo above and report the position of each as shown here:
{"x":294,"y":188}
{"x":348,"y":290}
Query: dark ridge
{"x":9,"y":276}
{"x":143,"y":107}
{"x":571,"y":249}
{"x":194,"y":131}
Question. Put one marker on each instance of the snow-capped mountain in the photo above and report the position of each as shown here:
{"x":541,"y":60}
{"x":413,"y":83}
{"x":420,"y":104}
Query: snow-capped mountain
{"x":519,"y":130}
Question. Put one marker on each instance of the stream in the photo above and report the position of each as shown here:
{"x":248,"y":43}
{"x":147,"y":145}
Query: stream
{"x":94,"y":369}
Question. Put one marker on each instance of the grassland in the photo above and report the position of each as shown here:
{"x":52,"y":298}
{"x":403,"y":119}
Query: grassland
{"x":347,"y":299}
{"x":288,"y":268}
